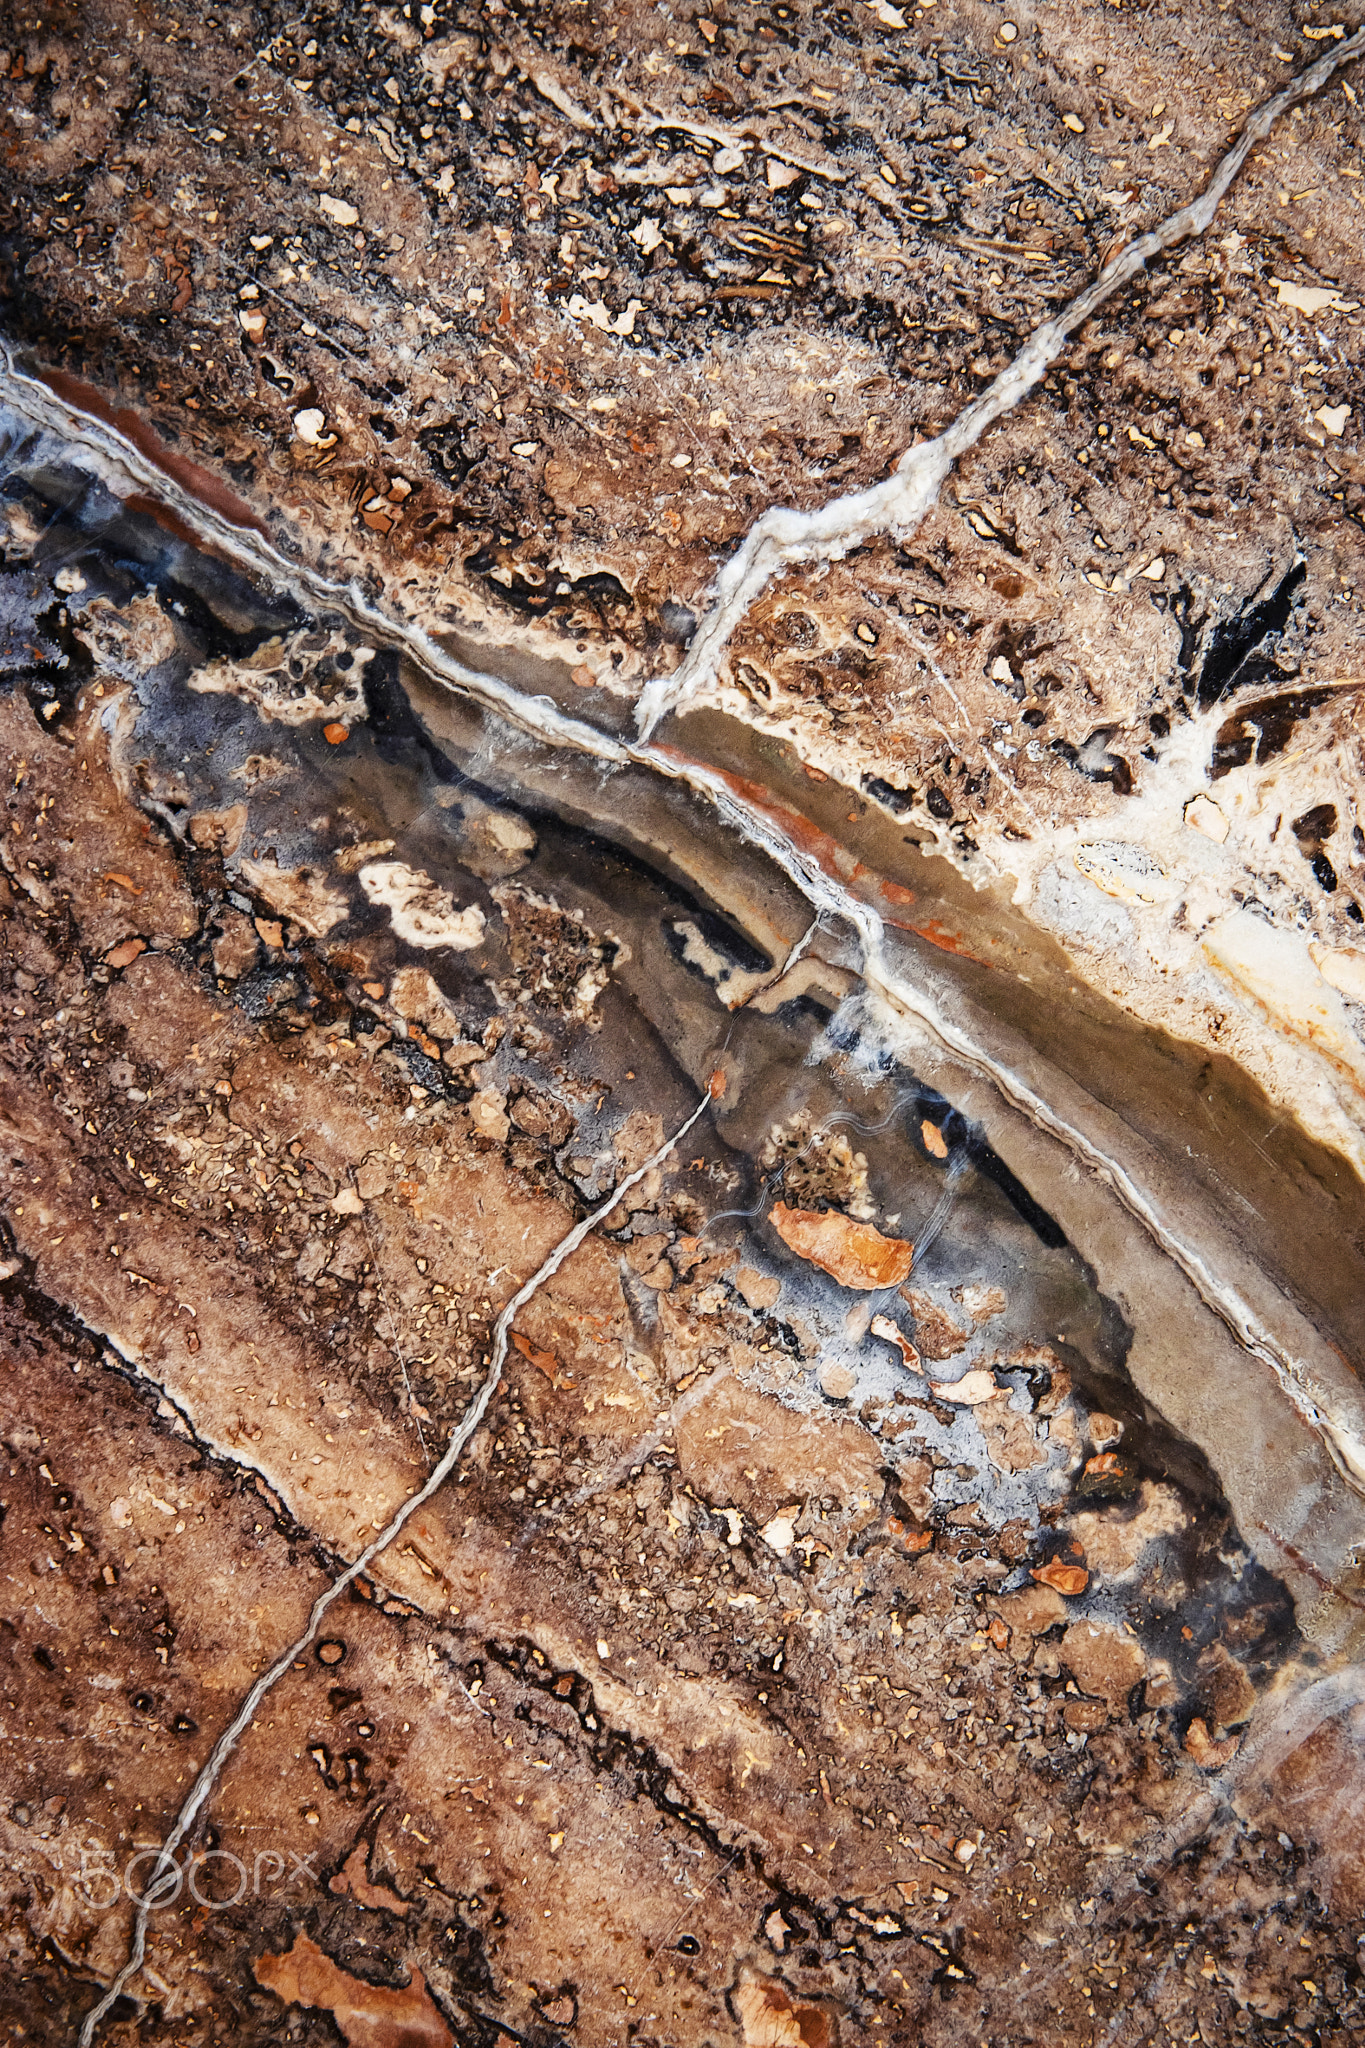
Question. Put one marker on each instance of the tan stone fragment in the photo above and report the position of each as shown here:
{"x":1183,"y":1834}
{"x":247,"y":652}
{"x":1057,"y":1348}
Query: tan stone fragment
{"x":854,"y":1254}
{"x":759,"y":1290}
{"x":1011,"y":1441}
{"x":1032,"y":1610}
{"x":937,"y":1335}
{"x":415,"y":997}
{"x":1103,"y":1661}
{"x":369,"y":2015}
{"x":1114,"y":1541}
{"x":488,"y":1114}
{"x":221,"y":829}
{"x":1225,"y":1689}
{"x":303,"y":894}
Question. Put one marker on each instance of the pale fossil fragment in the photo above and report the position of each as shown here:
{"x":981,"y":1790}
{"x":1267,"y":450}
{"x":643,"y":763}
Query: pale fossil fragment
{"x":420,"y":910}
{"x":315,"y":673}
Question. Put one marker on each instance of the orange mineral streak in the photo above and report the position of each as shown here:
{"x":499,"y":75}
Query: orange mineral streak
{"x":852,"y":1253}
{"x":834,"y":860}
{"x":200,"y":483}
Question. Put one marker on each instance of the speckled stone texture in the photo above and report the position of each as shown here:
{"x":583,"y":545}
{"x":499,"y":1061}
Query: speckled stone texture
{"x":790,"y":1661}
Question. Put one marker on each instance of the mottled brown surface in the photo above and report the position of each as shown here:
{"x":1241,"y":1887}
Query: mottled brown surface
{"x":626,"y":1770}
{"x":691,"y":1710}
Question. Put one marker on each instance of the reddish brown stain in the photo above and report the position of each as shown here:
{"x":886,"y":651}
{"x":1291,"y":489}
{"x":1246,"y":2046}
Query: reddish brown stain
{"x":199,"y":482}
{"x":833,"y":859}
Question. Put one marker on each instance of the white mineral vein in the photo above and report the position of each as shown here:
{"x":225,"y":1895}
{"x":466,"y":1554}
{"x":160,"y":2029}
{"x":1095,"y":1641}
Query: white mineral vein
{"x":779,"y":539}
{"x":202,"y":1789}
{"x":783,"y":537}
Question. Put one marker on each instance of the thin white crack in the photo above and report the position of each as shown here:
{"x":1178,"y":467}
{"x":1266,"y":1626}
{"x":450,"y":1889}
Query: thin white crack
{"x":541,"y":718}
{"x":107,"y":451}
{"x":1319,"y":1408}
{"x":202,"y":1789}
{"x":783,"y":537}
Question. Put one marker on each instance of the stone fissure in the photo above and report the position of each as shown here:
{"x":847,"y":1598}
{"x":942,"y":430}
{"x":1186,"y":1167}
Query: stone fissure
{"x":202,"y":1789}
{"x":783,"y":538}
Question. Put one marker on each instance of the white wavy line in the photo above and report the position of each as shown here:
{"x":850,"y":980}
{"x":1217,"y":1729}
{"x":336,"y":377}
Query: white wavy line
{"x":782,"y":536}
{"x":203,"y":1786}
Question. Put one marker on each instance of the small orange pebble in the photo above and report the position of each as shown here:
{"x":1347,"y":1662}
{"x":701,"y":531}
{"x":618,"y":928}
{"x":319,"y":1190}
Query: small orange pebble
{"x":336,"y":735}
{"x":717,"y":1084}
{"x":933,"y":1139}
{"x":583,"y":676}
{"x":1103,"y":1466}
{"x":999,"y":1634}
{"x":123,"y":955}
{"x":1068,"y":1579}
{"x":373,"y":988}
{"x":124,"y":882}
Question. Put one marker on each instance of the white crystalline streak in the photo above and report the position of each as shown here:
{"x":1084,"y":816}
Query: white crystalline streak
{"x":782,"y":538}
{"x":778,"y":539}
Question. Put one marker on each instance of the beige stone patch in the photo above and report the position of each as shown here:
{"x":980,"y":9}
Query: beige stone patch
{"x":780,"y":1533}
{"x":1342,"y":967}
{"x":971,"y":1391}
{"x":416,"y":998}
{"x":1274,"y":969}
{"x":420,"y":911}
{"x":488,"y":1114}
{"x":1011,"y":1440}
{"x":1124,"y":871}
{"x":759,"y":1290}
{"x":349,"y":859}
{"x":1207,"y":817}
{"x":1031,"y":1611}
{"x":744,"y":1448}
{"x":1114,"y":1542}
{"x":1103,"y":1429}
{"x":303,"y":894}
{"x":1103,"y":1661}
{"x":127,"y":640}
{"x":221,"y":829}
{"x":293,"y":681}
{"x":981,"y":1300}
